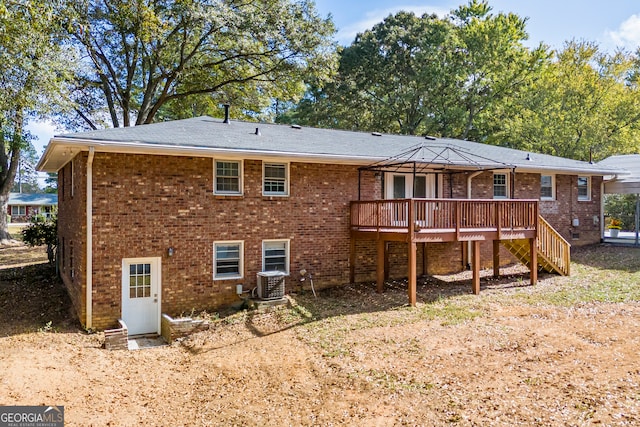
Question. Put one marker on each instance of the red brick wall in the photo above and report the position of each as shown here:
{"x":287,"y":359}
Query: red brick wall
{"x":72,"y":231}
{"x":146,"y":204}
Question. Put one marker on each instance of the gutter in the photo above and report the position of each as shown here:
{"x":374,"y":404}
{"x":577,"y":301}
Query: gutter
{"x":89,"y":213}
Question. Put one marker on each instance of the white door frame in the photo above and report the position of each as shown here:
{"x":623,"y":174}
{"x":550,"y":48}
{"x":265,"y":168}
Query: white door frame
{"x":408,"y":191}
{"x":156,"y":267}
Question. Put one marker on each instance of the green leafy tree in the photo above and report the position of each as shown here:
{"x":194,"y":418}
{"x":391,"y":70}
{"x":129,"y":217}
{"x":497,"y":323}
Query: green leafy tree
{"x":584,"y":105}
{"x":33,"y":71}
{"x":42,"y":231}
{"x":159,"y":59}
{"x":417,"y":75}
{"x":51,"y":183}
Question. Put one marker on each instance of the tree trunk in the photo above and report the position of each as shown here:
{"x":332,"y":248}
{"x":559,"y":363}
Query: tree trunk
{"x":8,"y":169}
{"x":4,"y":228}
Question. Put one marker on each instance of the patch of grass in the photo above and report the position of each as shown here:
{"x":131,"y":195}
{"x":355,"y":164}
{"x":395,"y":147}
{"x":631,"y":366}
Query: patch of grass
{"x":392,"y":382}
{"x":453,"y":312}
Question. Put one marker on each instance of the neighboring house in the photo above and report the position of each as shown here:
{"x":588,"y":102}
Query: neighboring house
{"x":170,"y":217}
{"x":626,"y":184}
{"x":22,"y":206}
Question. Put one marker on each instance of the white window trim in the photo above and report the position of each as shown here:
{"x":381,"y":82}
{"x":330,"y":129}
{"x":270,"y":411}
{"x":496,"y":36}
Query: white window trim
{"x":553,"y":187}
{"x":507,"y":184}
{"x":287,"y":252}
{"x":286,"y":179}
{"x":240,"y":177}
{"x":18,"y":207}
{"x":588,"y":198}
{"x":241,"y":266}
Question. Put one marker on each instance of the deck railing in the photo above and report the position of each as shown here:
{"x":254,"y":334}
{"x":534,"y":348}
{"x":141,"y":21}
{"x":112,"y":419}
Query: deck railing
{"x":444,"y":214}
{"x":554,"y":247}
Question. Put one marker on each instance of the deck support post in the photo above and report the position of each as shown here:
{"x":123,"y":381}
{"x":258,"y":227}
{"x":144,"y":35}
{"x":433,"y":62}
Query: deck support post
{"x":352,"y":260}
{"x":412,"y":273}
{"x":425,"y":271}
{"x":380,"y":266}
{"x":496,"y":258}
{"x":533,"y":266}
{"x":475,"y":283}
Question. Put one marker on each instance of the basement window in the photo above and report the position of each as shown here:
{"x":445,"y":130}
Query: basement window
{"x":228,"y":260}
{"x":275,"y":255}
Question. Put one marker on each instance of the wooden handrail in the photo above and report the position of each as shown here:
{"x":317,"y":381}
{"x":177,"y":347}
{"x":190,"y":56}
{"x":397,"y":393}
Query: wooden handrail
{"x":554,"y":247}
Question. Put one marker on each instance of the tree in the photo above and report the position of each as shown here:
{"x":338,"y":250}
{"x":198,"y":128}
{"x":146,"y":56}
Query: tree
{"x":26,"y":180}
{"x":42,"y":231}
{"x":428,"y":75}
{"x":32,"y":71}
{"x":158,"y":59}
{"x":51,"y":183}
{"x":585,"y":105}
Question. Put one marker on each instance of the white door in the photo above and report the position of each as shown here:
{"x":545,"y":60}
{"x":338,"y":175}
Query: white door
{"x":402,"y":186}
{"x":141,"y":295}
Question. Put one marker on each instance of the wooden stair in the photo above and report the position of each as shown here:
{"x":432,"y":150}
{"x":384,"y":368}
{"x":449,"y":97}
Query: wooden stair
{"x":554,"y":252}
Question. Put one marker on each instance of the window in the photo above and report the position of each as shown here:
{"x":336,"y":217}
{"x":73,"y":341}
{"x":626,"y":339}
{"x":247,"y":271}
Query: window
{"x":275,"y":255}
{"x":500,"y":186}
{"x":584,"y":188}
{"x":18,"y":210}
{"x":228,"y":260}
{"x":274,"y":178}
{"x":547,"y":187}
{"x":228,"y":177}
{"x":139,"y":280}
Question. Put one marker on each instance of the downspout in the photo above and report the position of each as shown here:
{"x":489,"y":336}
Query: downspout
{"x":89,"y":213}
{"x":469,"y":178}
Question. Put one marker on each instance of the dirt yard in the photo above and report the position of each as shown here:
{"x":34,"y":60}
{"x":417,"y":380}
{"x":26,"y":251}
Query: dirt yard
{"x":564,"y":352}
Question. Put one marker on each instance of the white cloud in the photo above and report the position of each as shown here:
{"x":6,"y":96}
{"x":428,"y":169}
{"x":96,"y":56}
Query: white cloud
{"x":628,"y":33}
{"x":44,"y":131}
{"x":348,"y":34}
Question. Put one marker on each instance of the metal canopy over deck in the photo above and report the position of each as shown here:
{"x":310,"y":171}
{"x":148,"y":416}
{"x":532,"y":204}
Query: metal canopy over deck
{"x":431,"y":157}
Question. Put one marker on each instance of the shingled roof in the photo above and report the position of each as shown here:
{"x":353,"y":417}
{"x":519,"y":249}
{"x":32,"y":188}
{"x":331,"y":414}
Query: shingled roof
{"x":207,"y":136}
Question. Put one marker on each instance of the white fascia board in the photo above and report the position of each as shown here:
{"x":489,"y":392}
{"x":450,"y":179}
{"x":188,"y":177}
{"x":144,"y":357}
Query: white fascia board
{"x":569,"y":170}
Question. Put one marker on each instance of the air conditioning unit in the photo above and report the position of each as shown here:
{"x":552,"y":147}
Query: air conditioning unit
{"x":270,"y":285}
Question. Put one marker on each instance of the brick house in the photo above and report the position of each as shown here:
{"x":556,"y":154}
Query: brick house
{"x":170,"y":217}
{"x":21,"y":206}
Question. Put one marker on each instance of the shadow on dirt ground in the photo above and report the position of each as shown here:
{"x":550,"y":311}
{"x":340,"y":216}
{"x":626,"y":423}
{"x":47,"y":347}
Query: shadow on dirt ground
{"x":32,"y":298}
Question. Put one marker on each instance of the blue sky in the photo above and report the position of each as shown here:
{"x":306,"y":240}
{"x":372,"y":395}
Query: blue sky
{"x":613,"y":23}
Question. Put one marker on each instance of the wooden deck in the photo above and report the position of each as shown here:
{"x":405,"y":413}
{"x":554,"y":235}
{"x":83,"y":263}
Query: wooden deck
{"x":445,"y":220}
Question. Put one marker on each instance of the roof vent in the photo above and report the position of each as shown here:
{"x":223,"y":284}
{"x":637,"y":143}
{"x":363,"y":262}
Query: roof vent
{"x":430,"y":138}
{"x":226,"y":114}
{"x":258,"y":132}
{"x":376,"y":134}
{"x":296,"y":127}
{"x":529,"y":156}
